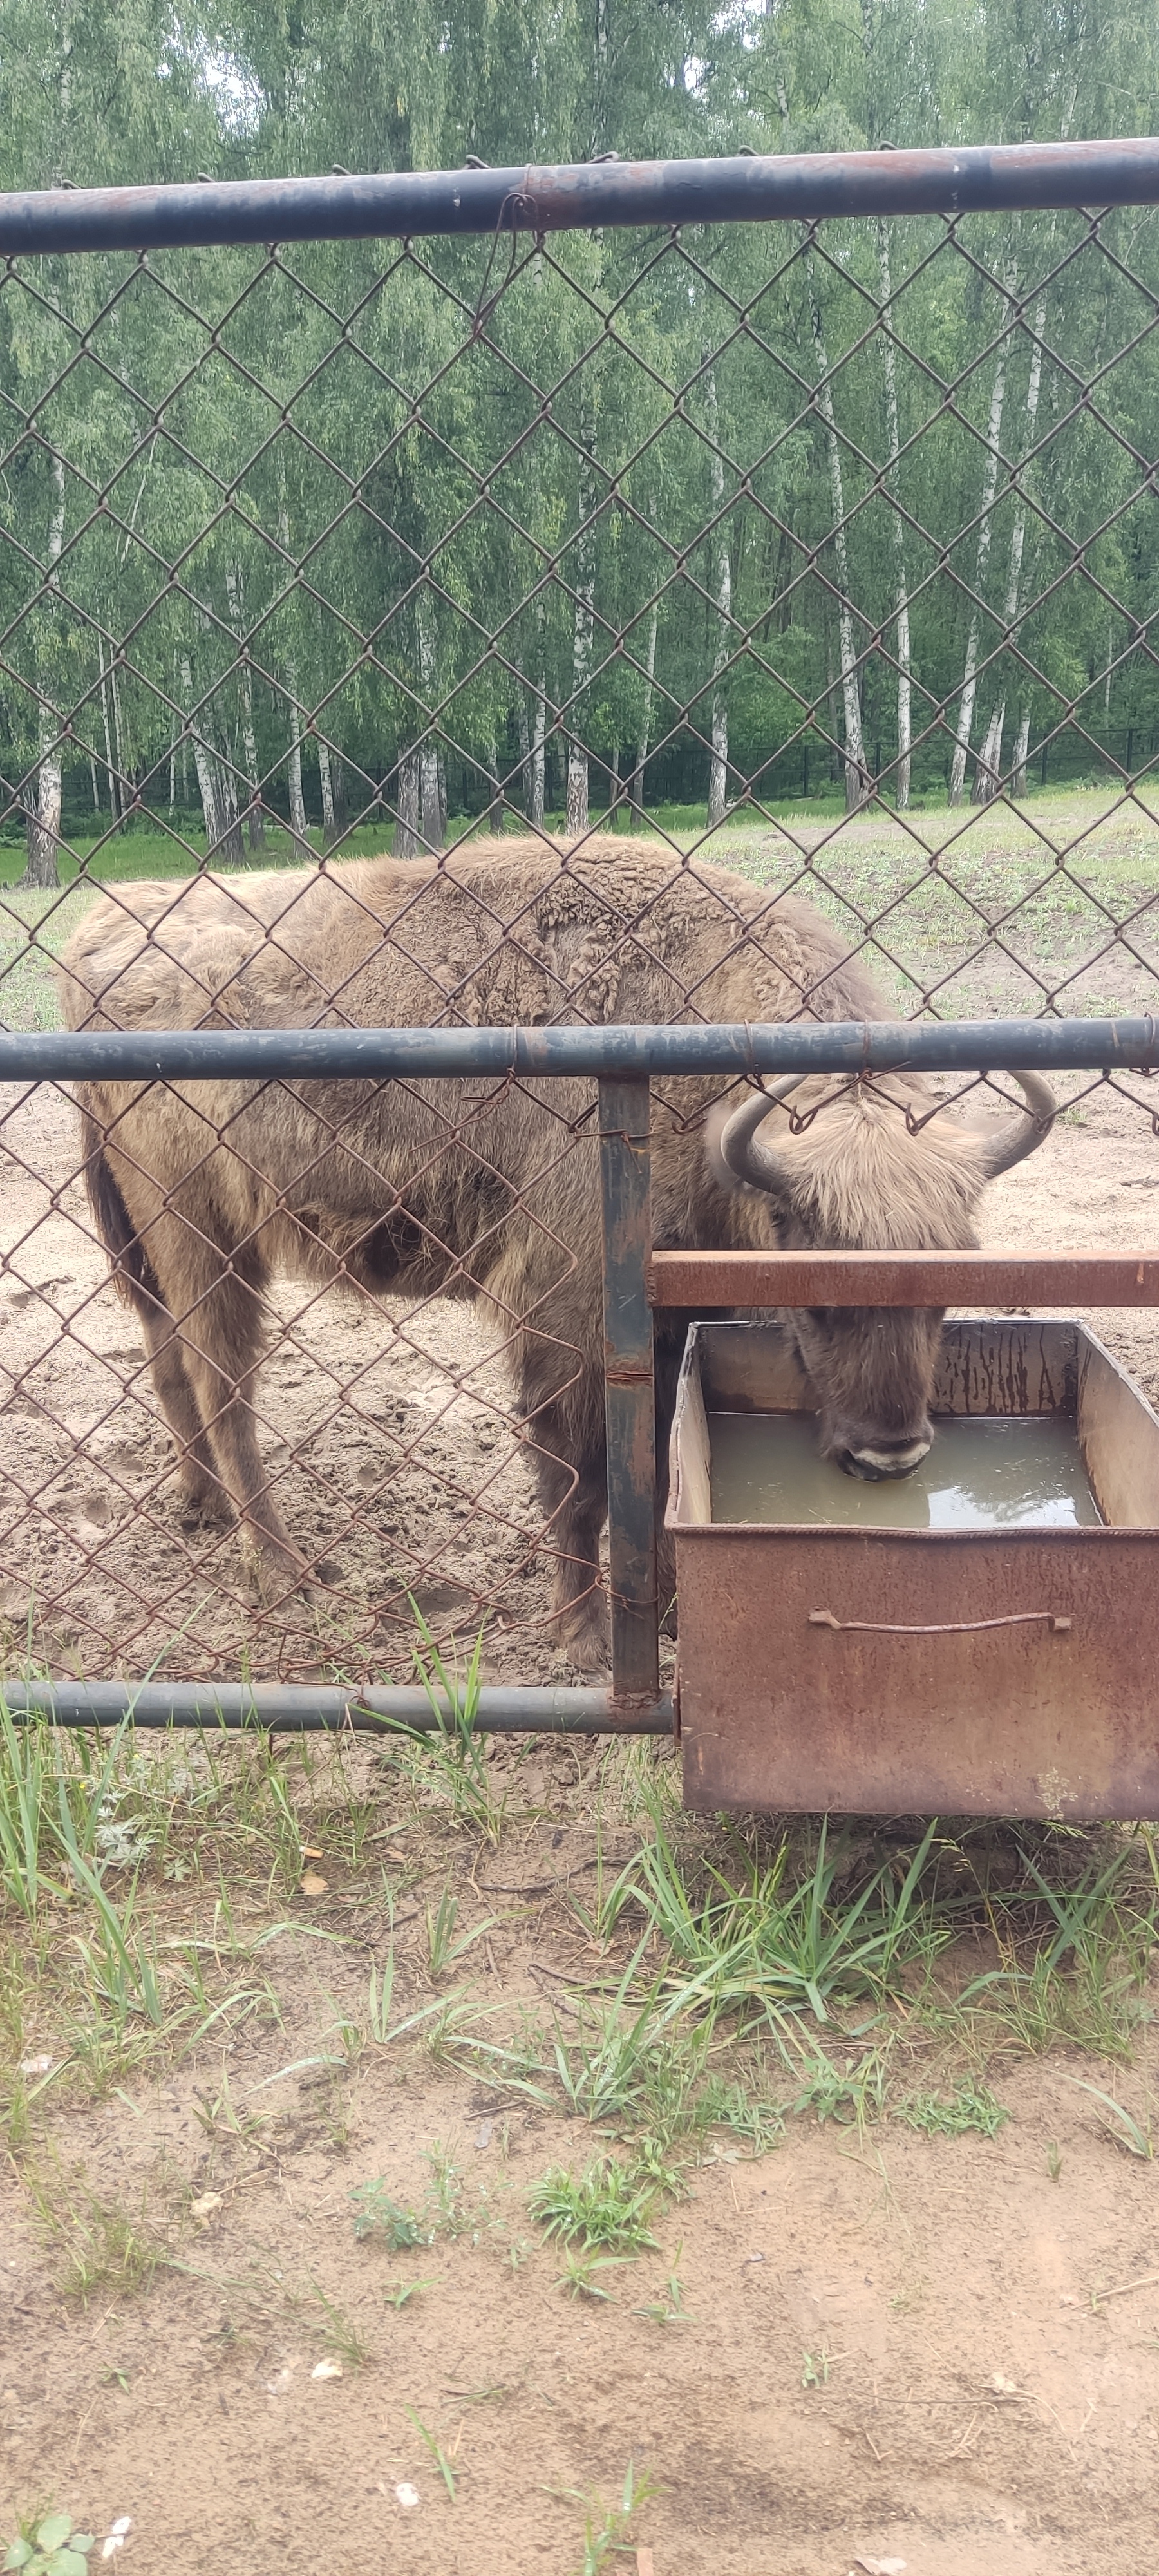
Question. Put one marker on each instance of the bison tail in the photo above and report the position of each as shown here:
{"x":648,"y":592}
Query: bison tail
{"x":133,"y":1274}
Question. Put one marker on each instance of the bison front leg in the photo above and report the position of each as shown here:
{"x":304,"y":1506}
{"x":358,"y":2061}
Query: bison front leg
{"x":215,"y":1297}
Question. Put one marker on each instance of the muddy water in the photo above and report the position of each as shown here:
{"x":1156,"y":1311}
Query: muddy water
{"x":984,"y":1471}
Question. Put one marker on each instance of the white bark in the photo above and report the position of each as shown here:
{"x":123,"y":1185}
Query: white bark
{"x":253,"y":808}
{"x":722,"y":600}
{"x":43,"y":819}
{"x":430,"y":798}
{"x":495,"y":802}
{"x":893,"y":433}
{"x":985,"y":531}
{"x":294,"y":762}
{"x":636,"y":789}
{"x":294,"y":749}
{"x":329,"y":831}
{"x":406,"y":835}
{"x":114,"y":791}
{"x":539,"y":730}
{"x":856,"y":775}
{"x":204,"y":767}
{"x":584,"y":626}
{"x":988,"y":772}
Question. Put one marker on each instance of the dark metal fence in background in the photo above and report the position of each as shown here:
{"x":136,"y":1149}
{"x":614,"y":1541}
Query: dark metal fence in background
{"x":798,"y":513}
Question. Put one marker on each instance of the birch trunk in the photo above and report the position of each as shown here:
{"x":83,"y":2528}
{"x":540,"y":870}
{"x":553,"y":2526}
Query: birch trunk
{"x":988,"y":772}
{"x":294,"y":761}
{"x":585,"y":563}
{"x":856,"y":776}
{"x":636,"y":785}
{"x":207,"y":785}
{"x":430,"y":800}
{"x":985,"y":531}
{"x":406,"y":830}
{"x":253,"y":817}
{"x":495,"y":803}
{"x":326,"y":782}
{"x":893,"y":433}
{"x":539,"y":730}
{"x":42,"y":820}
{"x":114,"y":787}
{"x":722,"y":600}
{"x":523,"y":731}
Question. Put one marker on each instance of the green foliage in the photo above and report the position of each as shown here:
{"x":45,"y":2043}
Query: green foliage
{"x":378,"y":2216}
{"x":51,"y":2547}
{"x":969,"y":2106}
{"x":608,"y":2205}
{"x":607,"y":2528}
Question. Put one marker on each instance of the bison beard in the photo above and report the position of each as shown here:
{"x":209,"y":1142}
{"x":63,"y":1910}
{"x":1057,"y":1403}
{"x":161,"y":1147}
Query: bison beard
{"x":202,"y":1193}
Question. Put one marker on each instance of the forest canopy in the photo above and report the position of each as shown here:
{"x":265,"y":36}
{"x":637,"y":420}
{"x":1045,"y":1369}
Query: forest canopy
{"x":373,"y":530}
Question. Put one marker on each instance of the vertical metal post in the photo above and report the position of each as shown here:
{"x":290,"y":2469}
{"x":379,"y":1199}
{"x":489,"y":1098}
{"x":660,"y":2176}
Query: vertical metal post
{"x":630,"y":1393}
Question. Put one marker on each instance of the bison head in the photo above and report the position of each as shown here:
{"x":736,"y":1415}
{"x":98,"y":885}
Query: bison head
{"x":852,"y":1172}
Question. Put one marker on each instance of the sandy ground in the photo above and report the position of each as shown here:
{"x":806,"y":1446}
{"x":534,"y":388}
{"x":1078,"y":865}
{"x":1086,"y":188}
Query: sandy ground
{"x":895,"y":2347}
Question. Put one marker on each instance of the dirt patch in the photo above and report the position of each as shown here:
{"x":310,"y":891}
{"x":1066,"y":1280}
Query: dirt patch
{"x":937,"y":2350}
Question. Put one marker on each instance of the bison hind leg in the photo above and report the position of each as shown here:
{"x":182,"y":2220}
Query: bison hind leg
{"x":571,"y":1474}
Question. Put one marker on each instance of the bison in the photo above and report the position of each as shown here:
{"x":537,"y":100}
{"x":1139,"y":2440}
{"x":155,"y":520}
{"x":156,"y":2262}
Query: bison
{"x":490,"y":1190}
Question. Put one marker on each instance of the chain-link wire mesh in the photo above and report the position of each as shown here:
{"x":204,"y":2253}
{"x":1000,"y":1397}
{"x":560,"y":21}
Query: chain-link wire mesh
{"x":822,"y":557}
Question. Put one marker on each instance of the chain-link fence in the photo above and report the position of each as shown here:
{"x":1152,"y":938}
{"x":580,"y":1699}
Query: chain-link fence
{"x":742,"y":623}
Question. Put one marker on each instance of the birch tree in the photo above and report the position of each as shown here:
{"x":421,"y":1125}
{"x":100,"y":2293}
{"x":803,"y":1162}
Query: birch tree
{"x":583,"y":627}
{"x":722,"y":602}
{"x":42,"y":820}
{"x":985,"y":531}
{"x":856,"y":774}
{"x":893,"y":437}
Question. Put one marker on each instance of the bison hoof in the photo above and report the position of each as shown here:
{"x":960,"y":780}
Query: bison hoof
{"x":209,"y":1509}
{"x":585,"y":1642}
{"x":276,"y":1573}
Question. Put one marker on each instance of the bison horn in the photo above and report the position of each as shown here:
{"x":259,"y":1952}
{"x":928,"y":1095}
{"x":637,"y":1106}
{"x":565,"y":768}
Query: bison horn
{"x":744,"y":1156}
{"x":1031,"y":1130}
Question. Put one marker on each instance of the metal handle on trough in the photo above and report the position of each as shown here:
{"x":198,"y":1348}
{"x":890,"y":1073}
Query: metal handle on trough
{"x":948,"y":1628}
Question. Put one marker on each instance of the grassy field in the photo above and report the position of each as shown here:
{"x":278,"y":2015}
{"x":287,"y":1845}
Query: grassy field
{"x":967,"y":912}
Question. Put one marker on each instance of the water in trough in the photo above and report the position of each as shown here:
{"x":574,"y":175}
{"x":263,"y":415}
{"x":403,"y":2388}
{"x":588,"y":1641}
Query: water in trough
{"x":984,"y":1471}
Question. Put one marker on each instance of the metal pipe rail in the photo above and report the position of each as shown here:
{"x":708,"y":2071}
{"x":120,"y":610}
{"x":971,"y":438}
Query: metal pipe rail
{"x":738,"y":188}
{"x":293,"y":1709}
{"x":610,"y":1053}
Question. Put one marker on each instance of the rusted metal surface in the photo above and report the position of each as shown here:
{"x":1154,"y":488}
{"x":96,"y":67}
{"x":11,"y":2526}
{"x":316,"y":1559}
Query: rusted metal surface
{"x":309,"y":1711}
{"x":621,"y":1050}
{"x":707,"y":1279}
{"x":630,"y":1399}
{"x":738,"y":188}
{"x":927,"y":1672}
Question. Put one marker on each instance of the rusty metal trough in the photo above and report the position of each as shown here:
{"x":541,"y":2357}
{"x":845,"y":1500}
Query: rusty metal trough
{"x":975,"y":1672}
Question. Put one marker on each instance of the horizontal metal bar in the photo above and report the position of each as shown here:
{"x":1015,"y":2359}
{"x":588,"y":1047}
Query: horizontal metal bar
{"x":988,"y":1279}
{"x":797,"y":1046}
{"x":738,"y":188}
{"x":298,"y":1710}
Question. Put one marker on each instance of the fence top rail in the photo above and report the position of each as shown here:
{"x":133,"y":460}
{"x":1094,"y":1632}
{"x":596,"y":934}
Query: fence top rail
{"x":739,"y":188}
{"x":620,"y":1050}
